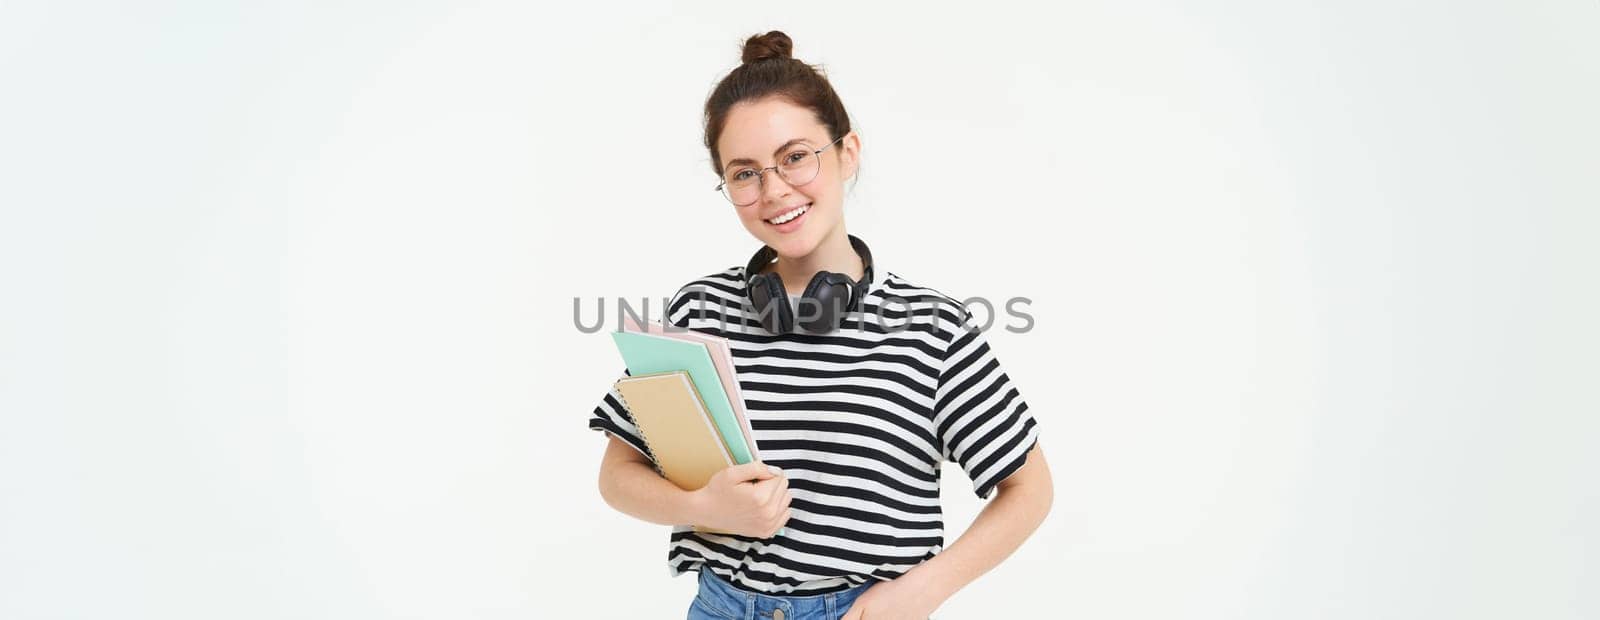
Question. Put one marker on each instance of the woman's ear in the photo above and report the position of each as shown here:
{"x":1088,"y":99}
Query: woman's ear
{"x":849,"y":154}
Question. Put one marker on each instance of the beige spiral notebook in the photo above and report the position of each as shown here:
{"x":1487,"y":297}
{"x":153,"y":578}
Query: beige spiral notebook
{"x":677,"y":427}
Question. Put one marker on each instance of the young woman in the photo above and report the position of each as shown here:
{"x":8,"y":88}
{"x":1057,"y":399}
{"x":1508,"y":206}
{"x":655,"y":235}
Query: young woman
{"x":857,"y":382}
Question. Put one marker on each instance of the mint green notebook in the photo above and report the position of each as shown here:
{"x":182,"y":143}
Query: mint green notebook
{"x":645,"y":354}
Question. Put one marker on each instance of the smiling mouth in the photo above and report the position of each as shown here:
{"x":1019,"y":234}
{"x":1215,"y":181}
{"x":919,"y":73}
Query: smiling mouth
{"x":790,"y":215}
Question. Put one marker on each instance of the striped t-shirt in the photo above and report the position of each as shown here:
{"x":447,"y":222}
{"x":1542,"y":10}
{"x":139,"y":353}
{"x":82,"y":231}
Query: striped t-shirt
{"x":859,"y":420}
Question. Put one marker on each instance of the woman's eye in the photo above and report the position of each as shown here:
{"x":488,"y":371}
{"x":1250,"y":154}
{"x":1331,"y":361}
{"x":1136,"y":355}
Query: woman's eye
{"x":742,"y":175}
{"x":795,"y":157}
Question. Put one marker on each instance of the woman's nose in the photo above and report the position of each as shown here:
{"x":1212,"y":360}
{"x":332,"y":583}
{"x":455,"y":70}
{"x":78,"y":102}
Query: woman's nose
{"x":773,"y":185}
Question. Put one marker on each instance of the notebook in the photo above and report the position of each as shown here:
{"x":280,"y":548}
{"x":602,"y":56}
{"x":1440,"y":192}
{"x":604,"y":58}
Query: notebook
{"x":650,"y":353}
{"x":676,"y":426}
{"x":722,"y":357}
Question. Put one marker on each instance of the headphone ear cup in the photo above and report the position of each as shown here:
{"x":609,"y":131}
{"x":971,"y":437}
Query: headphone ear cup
{"x":771,"y":302}
{"x":827,"y":295}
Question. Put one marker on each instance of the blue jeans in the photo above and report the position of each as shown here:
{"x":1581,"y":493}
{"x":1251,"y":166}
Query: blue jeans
{"x":720,"y":600}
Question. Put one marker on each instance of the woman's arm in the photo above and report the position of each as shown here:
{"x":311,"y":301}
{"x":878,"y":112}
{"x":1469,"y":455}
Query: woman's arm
{"x":630,"y":484}
{"x":749,"y":499}
{"x":1022,"y":502}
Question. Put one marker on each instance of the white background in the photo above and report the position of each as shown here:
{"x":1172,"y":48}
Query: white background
{"x":287,"y":292}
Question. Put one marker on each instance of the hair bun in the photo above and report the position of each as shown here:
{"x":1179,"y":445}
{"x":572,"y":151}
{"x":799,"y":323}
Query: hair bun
{"x":774,"y":44}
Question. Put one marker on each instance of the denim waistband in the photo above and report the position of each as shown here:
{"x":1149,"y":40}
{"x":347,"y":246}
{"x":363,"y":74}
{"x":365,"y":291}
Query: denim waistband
{"x":723,"y":596}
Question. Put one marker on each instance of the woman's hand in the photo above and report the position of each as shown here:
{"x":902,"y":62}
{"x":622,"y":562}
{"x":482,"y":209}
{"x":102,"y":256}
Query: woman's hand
{"x":748,"y":500}
{"x":899,"y":599}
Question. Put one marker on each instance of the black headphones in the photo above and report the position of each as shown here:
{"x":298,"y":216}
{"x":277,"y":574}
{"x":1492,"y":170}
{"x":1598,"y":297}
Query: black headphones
{"x":831,"y":294}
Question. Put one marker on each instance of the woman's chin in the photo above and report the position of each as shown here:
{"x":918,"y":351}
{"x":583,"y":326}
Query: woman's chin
{"x":793,"y":246}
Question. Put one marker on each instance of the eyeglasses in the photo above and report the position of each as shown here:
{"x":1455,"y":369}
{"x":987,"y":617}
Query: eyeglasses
{"x":741,"y":185}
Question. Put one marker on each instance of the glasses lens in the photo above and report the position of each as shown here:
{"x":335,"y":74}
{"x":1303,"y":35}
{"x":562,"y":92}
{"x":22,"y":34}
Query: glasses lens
{"x":799,"y":166}
{"x":742,"y":186}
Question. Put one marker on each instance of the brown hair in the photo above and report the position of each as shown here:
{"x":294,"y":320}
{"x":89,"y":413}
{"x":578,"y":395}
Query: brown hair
{"x":769,"y":70}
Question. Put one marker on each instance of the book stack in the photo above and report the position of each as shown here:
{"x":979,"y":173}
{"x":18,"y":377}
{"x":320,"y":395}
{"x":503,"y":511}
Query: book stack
{"x":683,"y":395}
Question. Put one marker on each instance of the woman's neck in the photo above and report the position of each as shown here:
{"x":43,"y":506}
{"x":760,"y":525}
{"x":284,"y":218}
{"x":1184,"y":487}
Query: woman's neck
{"x":834,"y":254}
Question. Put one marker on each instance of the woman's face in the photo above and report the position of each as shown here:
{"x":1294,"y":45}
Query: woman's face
{"x":755,"y":135}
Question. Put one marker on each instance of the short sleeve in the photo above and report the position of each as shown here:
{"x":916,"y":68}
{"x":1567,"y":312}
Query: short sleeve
{"x":612,"y":415}
{"x":981,"y":419}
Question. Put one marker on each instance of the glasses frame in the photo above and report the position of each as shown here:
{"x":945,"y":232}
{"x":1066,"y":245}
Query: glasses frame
{"x":761,"y":175}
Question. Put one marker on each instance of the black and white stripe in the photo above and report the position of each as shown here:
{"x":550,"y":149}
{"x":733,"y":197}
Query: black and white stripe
{"x":859,"y":420}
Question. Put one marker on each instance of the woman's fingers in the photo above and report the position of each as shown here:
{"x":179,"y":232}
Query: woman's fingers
{"x":779,"y":489}
{"x":777,"y":524}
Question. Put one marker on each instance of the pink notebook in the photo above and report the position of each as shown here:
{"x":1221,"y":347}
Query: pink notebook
{"x":721,"y":357}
